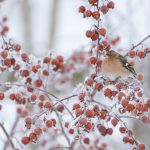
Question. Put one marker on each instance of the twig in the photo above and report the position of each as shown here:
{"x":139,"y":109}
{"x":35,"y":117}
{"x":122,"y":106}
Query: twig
{"x":129,"y":117}
{"x":7,"y":135}
{"x":135,"y":46}
{"x":12,"y":131}
{"x":60,"y":101}
{"x":64,"y":99}
{"x":28,"y":86}
{"x":118,"y":117}
{"x":141,"y":42}
{"x":62,"y":128}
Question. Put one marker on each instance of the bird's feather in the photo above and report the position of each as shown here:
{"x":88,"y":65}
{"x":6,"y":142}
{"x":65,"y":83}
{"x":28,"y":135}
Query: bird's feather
{"x":126,"y":64}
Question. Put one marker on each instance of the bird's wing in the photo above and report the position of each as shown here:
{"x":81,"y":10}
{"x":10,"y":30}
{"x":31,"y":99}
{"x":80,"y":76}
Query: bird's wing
{"x":126,"y":64}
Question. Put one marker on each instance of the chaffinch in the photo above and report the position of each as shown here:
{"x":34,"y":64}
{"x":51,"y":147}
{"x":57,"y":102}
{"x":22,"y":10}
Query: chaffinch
{"x":116,"y":65}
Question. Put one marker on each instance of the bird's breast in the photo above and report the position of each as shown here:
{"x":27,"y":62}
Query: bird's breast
{"x":113,"y":68}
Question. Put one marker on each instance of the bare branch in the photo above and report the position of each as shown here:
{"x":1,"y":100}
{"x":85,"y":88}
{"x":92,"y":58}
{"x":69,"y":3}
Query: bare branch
{"x":7,"y":135}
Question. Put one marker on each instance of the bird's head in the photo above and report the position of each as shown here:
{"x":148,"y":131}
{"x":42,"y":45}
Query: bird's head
{"x":111,"y":53}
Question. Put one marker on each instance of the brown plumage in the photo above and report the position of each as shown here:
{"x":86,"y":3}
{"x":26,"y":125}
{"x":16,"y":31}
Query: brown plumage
{"x":115,"y":65}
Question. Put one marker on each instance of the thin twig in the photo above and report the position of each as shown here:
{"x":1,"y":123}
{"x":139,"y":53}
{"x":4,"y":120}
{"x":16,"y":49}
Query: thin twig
{"x":28,"y":86}
{"x":7,"y":135}
{"x":12,"y":131}
{"x":118,"y":117}
{"x":62,"y":129}
{"x":64,"y":99}
{"x":141,"y":42}
{"x":135,"y":46}
{"x":61,"y":125}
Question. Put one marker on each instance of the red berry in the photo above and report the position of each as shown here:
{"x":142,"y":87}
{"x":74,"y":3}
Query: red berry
{"x":7,"y":62}
{"x":125,"y":139}
{"x":49,"y":123}
{"x":79,"y":112}
{"x":93,"y":60}
{"x":76,"y":106}
{"x":89,"y":126}
{"x":66,"y":124}
{"x":25,"y":73}
{"x":86,"y":141}
{"x":28,"y":121}
{"x":25,"y":57}
{"x":89,"y":82}
{"x":102,"y":31}
{"x":60,"y":58}
{"x":124,"y":102}
{"x":92,"y":1}
{"x":33,"y":136}
{"x":141,"y":146}
{"x":90,"y":113}
{"x":94,"y":36}
{"x":110,"y":131}
{"x":102,"y":130}
{"x":41,"y":97}
{"x":83,"y":121}
{"x":141,"y":54}
{"x":37,"y":131}
{"x":46,"y":60}
{"x":145,"y":119}
{"x":16,"y":47}
{"x":130,"y":107}
{"x":148,"y":103}
{"x":88,"y":13}
{"x":111,"y":5}
{"x":60,"y":108}
{"x":140,"y":76}
{"x":48,"y":105}
{"x":45,"y":72}
{"x":82,"y":9}
{"x":99,"y":63}
{"x":81,"y":97}
{"x":4,"y":54}
{"x":54,"y":121}
{"x":131,"y":141}
{"x":71,"y":131}
{"x":25,"y":140}
{"x":122,"y":129}
{"x":96,"y":15}
{"x":108,"y":92}
{"x":132,"y":54}
{"x":55,"y":62}
{"x":104,"y":9}
{"x":38,"y":83}
{"x":89,"y":33}
{"x":2,"y":96}
{"x":99,"y":86}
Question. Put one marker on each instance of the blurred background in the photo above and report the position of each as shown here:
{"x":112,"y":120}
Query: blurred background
{"x":42,"y":25}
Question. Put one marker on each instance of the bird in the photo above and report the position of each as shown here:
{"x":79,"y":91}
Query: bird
{"x":116,"y":66}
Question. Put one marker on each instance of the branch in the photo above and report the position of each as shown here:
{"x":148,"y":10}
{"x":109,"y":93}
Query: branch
{"x":141,"y":42}
{"x":28,"y":86}
{"x":65,"y":99}
{"x":12,"y":131}
{"x":118,"y":117}
{"x":62,"y":129}
{"x":61,"y":125}
{"x":135,"y":46}
{"x":7,"y":135}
